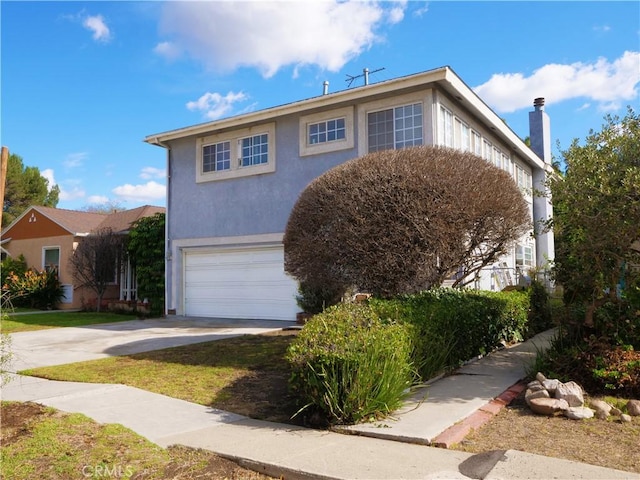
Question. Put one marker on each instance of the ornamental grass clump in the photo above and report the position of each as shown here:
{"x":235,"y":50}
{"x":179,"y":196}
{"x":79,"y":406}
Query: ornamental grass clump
{"x":349,"y":365}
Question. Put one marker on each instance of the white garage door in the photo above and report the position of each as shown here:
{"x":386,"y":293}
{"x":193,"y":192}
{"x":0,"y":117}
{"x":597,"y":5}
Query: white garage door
{"x":247,"y":283}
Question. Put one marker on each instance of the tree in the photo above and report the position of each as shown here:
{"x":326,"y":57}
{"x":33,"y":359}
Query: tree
{"x":147,"y":251}
{"x":25,"y":187}
{"x":94,"y":263}
{"x":597,"y":214}
{"x":401,"y":221}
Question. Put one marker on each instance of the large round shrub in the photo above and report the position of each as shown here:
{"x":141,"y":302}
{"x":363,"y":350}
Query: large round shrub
{"x":401,"y":221}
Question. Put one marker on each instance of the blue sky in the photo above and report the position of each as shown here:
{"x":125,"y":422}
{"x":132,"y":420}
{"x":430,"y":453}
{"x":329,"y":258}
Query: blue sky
{"x":84,"y":82}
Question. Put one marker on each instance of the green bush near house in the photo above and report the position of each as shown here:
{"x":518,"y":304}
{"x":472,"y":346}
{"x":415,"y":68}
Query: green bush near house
{"x":356,"y":361}
{"x":349,"y":364}
{"x":41,"y":290}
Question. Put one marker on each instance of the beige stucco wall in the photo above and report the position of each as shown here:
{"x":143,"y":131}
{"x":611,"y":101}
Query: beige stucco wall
{"x":33,"y":251}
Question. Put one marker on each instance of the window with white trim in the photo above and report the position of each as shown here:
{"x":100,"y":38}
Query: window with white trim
{"x":524,"y":255}
{"x":216,"y":157}
{"x":51,"y":259}
{"x":254,"y":150}
{"x":487,"y":151}
{"x":249,"y":151}
{"x":445,"y":130}
{"x":506,"y":163}
{"x":394,"y":128}
{"x":477,"y":143}
{"x":326,"y":131}
{"x":523,"y":178}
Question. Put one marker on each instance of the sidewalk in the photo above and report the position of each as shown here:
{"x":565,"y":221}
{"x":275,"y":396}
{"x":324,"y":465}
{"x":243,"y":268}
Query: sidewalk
{"x":399,"y":452}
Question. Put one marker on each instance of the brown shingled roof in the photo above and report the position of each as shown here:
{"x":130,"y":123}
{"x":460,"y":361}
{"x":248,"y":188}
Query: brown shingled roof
{"x":72,"y":220}
{"x":120,"y":222}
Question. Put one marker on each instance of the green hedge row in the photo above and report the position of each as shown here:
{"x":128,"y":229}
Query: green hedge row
{"x":356,"y":361}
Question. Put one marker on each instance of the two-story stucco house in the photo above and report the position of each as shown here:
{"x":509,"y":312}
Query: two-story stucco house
{"x":233,"y":182}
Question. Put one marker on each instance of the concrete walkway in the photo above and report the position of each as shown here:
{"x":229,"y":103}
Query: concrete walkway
{"x":398,"y":452}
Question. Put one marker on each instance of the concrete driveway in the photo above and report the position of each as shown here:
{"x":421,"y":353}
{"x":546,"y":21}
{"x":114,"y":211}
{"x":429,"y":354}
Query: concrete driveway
{"x":58,"y":346}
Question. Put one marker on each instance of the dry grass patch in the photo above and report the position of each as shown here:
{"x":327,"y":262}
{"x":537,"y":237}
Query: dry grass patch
{"x":607,"y":443}
{"x":246,"y":375}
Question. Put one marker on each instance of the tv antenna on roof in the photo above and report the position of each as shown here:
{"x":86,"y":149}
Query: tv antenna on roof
{"x":365,"y":73}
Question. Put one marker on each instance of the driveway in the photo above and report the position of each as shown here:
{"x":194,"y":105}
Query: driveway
{"x":58,"y":346}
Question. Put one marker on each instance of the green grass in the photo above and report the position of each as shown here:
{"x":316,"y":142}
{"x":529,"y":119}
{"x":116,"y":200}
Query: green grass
{"x":39,"y":321}
{"x":56,"y":445}
{"x":204,"y":373}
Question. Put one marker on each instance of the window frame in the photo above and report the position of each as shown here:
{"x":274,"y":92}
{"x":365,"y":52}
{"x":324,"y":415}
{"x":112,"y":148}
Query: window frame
{"x":235,"y":139}
{"x":50,"y":248}
{"x":307,"y":149}
{"x":396,"y":129}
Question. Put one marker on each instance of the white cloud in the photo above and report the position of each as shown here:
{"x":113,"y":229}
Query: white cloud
{"x":97,"y":199}
{"x":214,"y":105}
{"x":148,"y":173}
{"x":75,"y":160}
{"x":97,"y":25}
{"x":72,"y":193}
{"x":48,"y":174}
{"x":271,"y":35}
{"x":149,"y":191}
{"x":168,"y":50}
{"x":609,"y":84}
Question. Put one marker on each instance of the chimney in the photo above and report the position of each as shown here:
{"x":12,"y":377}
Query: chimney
{"x":540,"y":131}
{"x":325,"y":87}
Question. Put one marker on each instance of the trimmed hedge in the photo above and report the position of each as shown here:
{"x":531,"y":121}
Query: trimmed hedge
{"x":350,"y":364}
{"x":356,"y":361}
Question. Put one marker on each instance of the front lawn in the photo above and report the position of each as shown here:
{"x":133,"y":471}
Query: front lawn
{"x":40,"y":442}
{"x":247,"y":375}
{"x":10,"y":323}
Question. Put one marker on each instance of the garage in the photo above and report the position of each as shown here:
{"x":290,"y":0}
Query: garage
{"x":248,"y":283}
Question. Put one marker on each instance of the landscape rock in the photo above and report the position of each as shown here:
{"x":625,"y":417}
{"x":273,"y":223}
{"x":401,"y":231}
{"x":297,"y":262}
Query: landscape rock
{"x":624,"y":418}
{"x":531,"y":394}
{"x":548,"y":406}
{"x":540,"y":377}
{"x":534,"y":384}
{"x":602,"y":408}
{"x":551,"y":384}
{"x":571,"y":392}
{"x":633,"y":407}
{"x":616,"y":411}
{"x":578,"y":413}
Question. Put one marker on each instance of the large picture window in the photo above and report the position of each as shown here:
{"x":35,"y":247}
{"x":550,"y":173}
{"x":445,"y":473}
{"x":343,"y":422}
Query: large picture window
{"x":397,"y":127}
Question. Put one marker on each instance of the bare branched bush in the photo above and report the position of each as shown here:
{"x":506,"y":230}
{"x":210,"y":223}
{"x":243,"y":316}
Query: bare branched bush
{"x":401,"y":221}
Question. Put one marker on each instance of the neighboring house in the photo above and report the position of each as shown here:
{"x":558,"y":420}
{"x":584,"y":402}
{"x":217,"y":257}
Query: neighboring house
{"x":47,"y":237}
{"x":233,"y":182}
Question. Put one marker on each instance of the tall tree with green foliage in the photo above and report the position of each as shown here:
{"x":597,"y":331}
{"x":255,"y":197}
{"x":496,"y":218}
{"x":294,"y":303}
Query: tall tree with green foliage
{"x":146,"y":249}
{"x":25,"y":187}
{"x":597,"y":214}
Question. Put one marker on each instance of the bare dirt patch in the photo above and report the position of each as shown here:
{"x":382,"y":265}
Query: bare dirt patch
{"x":607,"y":443}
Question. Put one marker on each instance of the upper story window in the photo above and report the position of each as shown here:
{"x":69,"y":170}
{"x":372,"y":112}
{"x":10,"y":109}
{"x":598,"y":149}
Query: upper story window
{"x":524,"y":255}
{"x":328,"y":131}
{"x":523,"y":179}
{"x":445,"y":132}
{"x":248,"y":151}
{"x":487,"y":152}
{"x":476,"y":143}
{"x":216,"y":157}
{"x":255,"y":150}
{"x":397,"y":127}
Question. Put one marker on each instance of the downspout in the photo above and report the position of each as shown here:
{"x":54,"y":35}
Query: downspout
{"x":166,"y":224}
